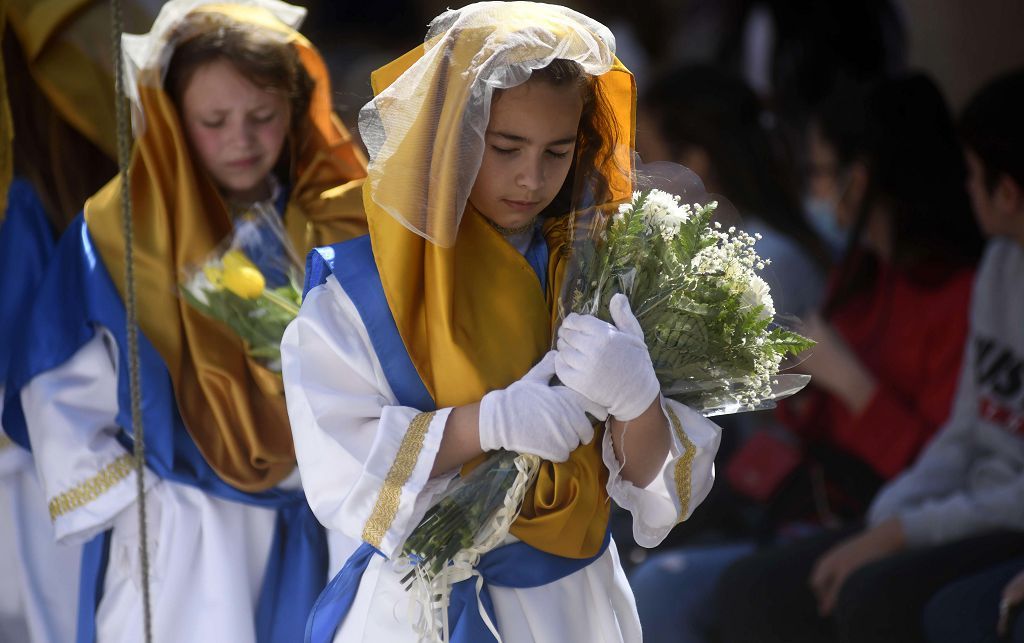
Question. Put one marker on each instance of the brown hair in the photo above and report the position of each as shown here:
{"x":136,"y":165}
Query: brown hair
{"x":268,"y":63}
{"x":63,"y":166}
{"x":596,"y":141}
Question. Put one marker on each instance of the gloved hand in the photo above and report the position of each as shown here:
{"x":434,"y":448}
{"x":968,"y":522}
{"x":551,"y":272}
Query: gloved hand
{"x":532,"y":417}
{"x":608,"y":364}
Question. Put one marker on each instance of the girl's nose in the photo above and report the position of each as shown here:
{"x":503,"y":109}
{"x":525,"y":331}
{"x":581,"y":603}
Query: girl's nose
{"x":244,"y":134}
{"x":530,"y":175}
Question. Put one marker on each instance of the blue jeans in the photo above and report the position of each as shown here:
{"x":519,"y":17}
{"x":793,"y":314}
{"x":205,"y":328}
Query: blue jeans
{"x":966,"y":611}
{"x":674,"y":591}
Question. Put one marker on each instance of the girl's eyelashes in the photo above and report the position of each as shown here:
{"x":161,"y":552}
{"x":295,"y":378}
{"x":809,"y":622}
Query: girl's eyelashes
{"x":260,"y":119}
{"x":513,"y":150}
{"x":264,"y":117}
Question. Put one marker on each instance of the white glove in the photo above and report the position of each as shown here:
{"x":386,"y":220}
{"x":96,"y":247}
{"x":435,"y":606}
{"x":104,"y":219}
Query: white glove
{"x":608,"y":364}
{"x":530,"y":416}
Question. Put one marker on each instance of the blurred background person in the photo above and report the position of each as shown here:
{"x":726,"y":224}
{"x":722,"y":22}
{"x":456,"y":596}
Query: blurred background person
{"x":890,"y":336}
{"x":890,"y":341}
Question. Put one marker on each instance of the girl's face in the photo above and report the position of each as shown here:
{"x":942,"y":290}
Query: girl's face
{"x":845,"y":189}
{"x":528,"y":151}
{"x":236,"y":128}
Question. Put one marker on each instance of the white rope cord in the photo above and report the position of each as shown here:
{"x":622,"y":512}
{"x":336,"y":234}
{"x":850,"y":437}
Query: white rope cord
{"x":131,"y":318}
{"x":432,"y":596}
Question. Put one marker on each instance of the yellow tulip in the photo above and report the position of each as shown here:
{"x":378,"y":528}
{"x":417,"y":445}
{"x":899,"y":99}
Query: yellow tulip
{"x":215,"y":276}
{"x":244,"y":281}
{"x":236,"y":259}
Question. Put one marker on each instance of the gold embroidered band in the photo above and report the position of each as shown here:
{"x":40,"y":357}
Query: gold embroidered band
{"x":386,"y":507}
{"x":684,"y":465}
{"x":92,"y":488}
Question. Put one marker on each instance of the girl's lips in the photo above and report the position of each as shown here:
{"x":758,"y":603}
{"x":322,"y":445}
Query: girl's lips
{"x":520,"y":205}
{"x":244,"y":163}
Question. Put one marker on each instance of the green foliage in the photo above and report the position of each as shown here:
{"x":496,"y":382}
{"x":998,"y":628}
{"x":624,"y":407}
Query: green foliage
{"x":260,"y":322}
{"x":691,"y":287}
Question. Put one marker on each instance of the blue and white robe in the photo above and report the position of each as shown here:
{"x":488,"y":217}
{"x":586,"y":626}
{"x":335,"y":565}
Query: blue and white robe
{"x":359,"y":414}
{"x":224,"y":565}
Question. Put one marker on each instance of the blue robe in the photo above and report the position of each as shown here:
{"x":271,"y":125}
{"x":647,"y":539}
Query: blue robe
{"x":27,"y":240}
{"x":76,"y":293}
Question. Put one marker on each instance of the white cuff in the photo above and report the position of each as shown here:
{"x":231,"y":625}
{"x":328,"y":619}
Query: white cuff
{"x":683,"y":483}
{"x":395,"y":489}
{"x":91,"y":506}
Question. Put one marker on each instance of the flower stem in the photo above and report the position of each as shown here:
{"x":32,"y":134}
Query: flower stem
{"x":281,"y":302}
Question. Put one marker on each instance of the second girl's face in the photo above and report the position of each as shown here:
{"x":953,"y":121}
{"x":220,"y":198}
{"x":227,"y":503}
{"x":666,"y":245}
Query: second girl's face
{"x":528,"y":151}
{"x":236,"y":128}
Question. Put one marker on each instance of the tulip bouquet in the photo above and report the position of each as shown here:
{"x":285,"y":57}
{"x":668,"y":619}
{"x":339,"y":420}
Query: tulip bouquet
{"x":251,"y":283}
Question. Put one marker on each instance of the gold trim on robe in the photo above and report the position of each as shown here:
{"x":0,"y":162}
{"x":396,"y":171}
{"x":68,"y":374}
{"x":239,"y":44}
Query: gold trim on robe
{"x":386,"y":507}
{"x":683,"y":471}
{"x":84,"y":493}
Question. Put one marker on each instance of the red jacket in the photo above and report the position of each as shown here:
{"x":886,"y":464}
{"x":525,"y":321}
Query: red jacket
{"x":911,"y":337}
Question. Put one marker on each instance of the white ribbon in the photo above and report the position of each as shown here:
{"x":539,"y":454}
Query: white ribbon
{"x":433,"y":596}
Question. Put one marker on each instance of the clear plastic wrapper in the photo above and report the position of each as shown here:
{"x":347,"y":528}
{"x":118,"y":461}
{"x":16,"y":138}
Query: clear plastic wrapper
{"x":251,"y":283}
{"x":454,"y":523}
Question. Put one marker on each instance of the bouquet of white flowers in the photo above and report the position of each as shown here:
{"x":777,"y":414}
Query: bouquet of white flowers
{"x":708,"y":317}
{"x":709,"y":325}
{"x":251,"y":283}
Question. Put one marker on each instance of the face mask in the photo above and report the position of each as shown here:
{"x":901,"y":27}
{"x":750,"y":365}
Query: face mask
{"x":821,"y":214}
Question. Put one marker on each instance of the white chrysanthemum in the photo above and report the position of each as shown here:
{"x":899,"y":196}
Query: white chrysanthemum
{"x":759,"y":294}
{"x":663,"y":213}
{"x":737,"y":276}
{"x":675,"y":218}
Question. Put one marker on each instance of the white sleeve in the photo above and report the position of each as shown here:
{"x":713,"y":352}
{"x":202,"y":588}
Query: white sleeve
{"x":71,"y":412}
{"x":683,"y":483}
{"x":365,"y":461}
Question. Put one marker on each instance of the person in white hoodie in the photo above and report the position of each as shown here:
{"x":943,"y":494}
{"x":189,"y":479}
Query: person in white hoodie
{"x":959,"y":509}
{"x":984,"y":606}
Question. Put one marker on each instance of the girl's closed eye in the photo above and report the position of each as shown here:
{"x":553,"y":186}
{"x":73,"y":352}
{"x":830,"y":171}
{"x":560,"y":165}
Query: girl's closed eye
{"x":264,"y":117}
{"x":213,"y":124}
{"x":558,"y":154}
{"x":504,"y":150}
